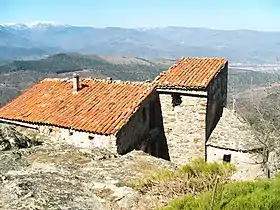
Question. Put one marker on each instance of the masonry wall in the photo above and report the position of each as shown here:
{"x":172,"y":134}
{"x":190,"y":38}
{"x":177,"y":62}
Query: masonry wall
{"x":184,"y":126}
{"x":217,"y":99}
{"x":144,"y":130}
{"x":247,"y":164}
{"x":80,"y":139}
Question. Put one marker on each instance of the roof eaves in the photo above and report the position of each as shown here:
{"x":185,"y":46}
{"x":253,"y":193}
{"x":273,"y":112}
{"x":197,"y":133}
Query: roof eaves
{"x":60,"y":126}
{"x":187,"y":88}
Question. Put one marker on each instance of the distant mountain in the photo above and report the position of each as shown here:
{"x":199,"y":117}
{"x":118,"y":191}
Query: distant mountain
{"x":14,"y":53}
{"x":125,"y":68}
{"x":34,"y":24}
{"x":56,"y":63}
{"x":169,"y":42}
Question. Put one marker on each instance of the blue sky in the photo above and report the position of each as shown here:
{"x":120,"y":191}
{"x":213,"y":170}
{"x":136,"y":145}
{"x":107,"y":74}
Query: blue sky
{"x":218,"y":14}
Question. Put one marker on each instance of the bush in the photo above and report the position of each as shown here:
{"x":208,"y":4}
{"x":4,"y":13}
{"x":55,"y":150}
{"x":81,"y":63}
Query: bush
{"x":259,"y":194}
{"x":193,"y":178}
{"x":199,"y":167}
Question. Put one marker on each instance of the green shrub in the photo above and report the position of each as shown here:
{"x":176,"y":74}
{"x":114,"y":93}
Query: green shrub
{"x":253,"y":195}
{"x":199,"y":167}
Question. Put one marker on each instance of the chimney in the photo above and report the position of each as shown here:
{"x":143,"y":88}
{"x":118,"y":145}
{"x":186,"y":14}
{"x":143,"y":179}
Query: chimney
{"x":75,"y":83}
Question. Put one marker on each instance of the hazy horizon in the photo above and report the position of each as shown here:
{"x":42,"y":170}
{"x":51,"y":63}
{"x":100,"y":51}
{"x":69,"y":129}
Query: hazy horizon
{"x":34,"y":23}
{"x":256,"y":15}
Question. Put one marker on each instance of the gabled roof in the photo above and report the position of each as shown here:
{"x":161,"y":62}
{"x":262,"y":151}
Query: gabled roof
{"x":233,"y":134}
{"x":191,"y":73}
{"x":100,"y":106}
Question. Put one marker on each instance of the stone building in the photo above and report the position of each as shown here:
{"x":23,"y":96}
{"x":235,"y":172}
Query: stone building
{"x":120,"y":116}
{"x":233,"y":141}
{"x":178,"y":116}
{"x":193,"y":93}
{"x":181,"y":107}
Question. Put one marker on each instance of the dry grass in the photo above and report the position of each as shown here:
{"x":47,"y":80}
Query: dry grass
{"x":162,"y":185}
{"x":64,"y":158}
{"x":142,"y":167}
{"x":102,"y":193}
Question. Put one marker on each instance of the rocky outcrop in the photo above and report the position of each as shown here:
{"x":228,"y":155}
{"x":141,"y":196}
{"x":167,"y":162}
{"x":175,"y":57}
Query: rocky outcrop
{"x":10,"y":138}
{"x":58,"y":176}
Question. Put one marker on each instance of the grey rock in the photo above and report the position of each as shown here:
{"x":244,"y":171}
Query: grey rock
{"x":10,"y":138}
{"x":60,"y":176}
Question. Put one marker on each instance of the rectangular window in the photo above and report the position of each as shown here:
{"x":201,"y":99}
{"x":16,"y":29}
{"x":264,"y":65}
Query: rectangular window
{"x":227,"y":158}
{"x":176,"y":99}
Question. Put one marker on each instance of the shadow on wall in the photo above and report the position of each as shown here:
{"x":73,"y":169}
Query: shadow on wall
{"x":155,"y":143}
{"x":144,"y":131}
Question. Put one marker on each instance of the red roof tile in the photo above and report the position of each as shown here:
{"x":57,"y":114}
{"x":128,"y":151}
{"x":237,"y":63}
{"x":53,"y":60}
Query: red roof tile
{"x":190,"y":72}
{"x":99,"y":107}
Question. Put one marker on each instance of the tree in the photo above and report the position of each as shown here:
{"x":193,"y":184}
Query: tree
{"x":262,"y":113}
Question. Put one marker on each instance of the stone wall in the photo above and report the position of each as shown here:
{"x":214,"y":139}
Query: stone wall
{"x":247,"y":163}
{"x":72,"y":137}
{"x":217,"y":99}
{"x":79,"y":139}
{"x":144,"y":130}
{"x":184,"y":125}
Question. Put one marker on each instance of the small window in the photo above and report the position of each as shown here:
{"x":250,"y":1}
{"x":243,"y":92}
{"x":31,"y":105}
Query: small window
{"x":144,"y":116}
{"x":176,"y":99}
{"x":90,"y":137}
{"x":227,"y":158}
{"x":70,"y":133}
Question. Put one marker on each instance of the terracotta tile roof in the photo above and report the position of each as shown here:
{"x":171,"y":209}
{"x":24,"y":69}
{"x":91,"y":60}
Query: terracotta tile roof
{"x":99,"y":107}
{"x":191,"y":72}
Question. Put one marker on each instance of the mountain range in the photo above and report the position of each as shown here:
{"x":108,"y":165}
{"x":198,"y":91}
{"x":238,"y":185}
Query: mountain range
{"x":23,"y":41}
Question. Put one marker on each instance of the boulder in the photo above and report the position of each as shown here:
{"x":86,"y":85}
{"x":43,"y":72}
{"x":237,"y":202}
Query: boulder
{"x":12,"y":139}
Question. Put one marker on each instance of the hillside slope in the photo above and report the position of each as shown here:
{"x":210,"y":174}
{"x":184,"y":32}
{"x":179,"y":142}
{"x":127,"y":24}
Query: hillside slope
{"x":138,"y":69}
{"x":17,"y":76}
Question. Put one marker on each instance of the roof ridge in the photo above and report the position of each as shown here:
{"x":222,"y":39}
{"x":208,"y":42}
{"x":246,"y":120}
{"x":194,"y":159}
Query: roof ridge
{"x":197,"y":57}
{"x":67,"y":79}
